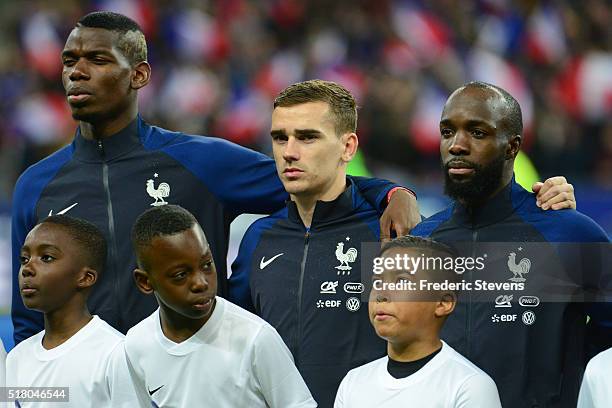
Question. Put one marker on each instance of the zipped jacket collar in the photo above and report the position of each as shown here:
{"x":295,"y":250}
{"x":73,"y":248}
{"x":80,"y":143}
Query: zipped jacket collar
{"x":109,"y":148}
{"x":327,"y":211}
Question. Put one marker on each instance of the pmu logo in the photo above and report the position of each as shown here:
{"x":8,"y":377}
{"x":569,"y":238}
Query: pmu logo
{"x":503,"y":318}
{"x":529,"y":301}
{"x":353,"y":287}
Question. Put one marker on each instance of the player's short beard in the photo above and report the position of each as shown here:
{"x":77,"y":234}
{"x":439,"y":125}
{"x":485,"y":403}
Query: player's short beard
{"x":84,"y":116}
{"x":484,"y":182}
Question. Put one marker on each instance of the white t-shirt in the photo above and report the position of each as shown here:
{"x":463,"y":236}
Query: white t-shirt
{"x":448,"y":380}
{"x":596,"y":389}
{"x":91,"y":363}
{"x":235,"y":360}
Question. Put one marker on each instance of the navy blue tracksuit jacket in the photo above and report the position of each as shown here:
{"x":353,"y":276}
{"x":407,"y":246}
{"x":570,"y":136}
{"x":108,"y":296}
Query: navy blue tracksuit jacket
{"x":535,"y":354}
{"x":307,"y":284}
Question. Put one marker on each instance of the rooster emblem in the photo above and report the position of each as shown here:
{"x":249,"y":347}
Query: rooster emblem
{"x":159,"y":193}
{"x":518,"y":269}
{"x":345,"y":258}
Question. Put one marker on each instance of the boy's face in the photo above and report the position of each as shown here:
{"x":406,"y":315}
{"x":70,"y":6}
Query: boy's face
{"x":401,"y":316}
{"x":51,"y":268}
{"x":182,"y":273}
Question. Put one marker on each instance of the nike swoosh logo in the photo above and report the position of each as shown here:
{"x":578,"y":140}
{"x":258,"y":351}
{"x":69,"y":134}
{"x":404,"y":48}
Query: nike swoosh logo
{"x":154,"y":391}
{"x":263,"y":263}
{"x":64,"y":211}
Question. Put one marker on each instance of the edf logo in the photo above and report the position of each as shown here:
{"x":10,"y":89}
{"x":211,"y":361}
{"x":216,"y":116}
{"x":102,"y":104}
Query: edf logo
{"x":503,"y":318}
{"x":322,"y":304}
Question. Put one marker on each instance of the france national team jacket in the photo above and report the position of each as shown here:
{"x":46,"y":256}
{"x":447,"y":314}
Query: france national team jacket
{"x":306,"y":282}
{"x":112,"y":181}
{"x":534,"y":350}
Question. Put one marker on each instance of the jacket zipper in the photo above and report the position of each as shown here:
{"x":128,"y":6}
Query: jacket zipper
{"x":111,"y":225}
{"x":299,"y":300}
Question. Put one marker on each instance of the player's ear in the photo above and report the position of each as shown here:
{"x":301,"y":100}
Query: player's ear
{"x":513,"y":146}
{"x":87,"y":278}
{"x":446,"y":304}
{"x":350,"y":143}
{"x":141,"y":75}
{"x":141,"y":277}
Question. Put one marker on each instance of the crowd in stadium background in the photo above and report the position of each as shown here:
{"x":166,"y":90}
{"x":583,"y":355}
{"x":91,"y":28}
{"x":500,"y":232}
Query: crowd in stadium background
{"x":217,"y":65}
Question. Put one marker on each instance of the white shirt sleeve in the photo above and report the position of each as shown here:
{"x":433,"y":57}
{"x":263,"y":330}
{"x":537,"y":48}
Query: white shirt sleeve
{"x":342,"y":392}
{"x":478,"y":391}
{"x":280,"y":381}
{"x":588,"y":389}
{"x":122,"y":390}
{"x":596,"y":388}
{"x":585,"y":398}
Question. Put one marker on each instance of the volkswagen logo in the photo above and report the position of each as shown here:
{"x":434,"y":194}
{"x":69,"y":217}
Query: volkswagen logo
{"x":529,"y":317}
{"x":353,"y":304}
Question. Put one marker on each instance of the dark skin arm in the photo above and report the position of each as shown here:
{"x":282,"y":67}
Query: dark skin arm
{"x":401,"y":215}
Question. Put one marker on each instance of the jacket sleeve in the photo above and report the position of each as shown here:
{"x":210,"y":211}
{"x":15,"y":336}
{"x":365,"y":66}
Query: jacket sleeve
{"x":244,"y":180}
{"x":239,"y":291}
{"x":586,"y":248}
{"x":594,"y":261}
{"x":25,"y":322}
{"x":375,"y":191}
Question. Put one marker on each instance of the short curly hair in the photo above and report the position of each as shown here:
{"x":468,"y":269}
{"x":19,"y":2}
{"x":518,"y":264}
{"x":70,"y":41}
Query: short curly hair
{"x":131,"y":40}
{"x":159,"y":221}
{"x":86,"y":235}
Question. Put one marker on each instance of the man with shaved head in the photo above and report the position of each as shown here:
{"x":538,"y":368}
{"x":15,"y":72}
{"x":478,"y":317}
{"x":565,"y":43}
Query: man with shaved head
{"x":534,"y":351}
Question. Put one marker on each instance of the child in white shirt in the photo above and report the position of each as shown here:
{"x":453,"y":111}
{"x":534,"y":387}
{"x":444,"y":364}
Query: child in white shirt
{"x":419,"y":370}
{"x":61,"y":259}
{"x":199,"y":350}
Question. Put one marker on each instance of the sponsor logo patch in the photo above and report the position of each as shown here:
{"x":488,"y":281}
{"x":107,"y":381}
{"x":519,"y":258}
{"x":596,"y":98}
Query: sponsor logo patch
{"x":529,"y":301}
{"x":353,"y":287}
